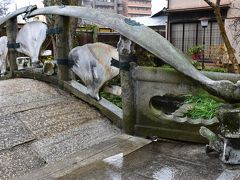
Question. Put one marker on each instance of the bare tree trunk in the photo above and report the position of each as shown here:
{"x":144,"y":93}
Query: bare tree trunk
{"x":230,"y":50}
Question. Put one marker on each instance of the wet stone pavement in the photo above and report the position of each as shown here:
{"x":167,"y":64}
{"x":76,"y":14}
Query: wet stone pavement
{"x":163,"y":160}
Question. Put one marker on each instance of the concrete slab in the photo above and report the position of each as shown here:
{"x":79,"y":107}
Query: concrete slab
{"x":13,"y":132}
{"x":18,"y":161}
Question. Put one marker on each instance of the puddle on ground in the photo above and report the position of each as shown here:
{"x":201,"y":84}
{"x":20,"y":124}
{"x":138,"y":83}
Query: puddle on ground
{"x":116,"y":160}
{"x":113,"y":175}
{"x":166,"y":173}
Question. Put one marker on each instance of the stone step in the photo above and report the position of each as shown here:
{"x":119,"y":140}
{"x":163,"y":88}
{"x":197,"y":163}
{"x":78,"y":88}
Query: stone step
{"x":118,"y":146}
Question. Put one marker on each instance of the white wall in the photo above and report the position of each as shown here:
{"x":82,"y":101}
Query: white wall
{"x":177,"y":4}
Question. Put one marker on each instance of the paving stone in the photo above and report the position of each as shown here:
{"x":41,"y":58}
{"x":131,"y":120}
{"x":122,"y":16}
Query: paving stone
{"x":18,"y":161}
{"x":19,"y":85}
{"x":14,"y":108}
{"x":13,"y":93}
{"x":55,"y":110}
{"x":229,"y":175}
{"x":51,"y":119}
{"x":25,"y":97}
{"x":13,"y":132}
{"x":64,"y":144}
{"x":61,"y":124}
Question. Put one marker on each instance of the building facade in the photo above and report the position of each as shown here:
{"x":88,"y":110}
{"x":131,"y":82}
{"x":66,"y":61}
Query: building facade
{"x":113,"y":6}
{"x":184,"y":26}
{"x":137,"y":8}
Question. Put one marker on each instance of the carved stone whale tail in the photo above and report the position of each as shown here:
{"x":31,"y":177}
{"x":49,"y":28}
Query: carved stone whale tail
{"x":225,"y":89}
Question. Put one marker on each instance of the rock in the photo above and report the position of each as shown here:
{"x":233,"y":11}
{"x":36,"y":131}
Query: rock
{"x":113,"y":89}
{"x":49,"y":68}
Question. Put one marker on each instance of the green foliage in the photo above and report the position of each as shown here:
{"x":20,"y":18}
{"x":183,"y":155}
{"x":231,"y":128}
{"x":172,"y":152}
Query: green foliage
{"x":89,"y":27}
{"x":204,"y":106}
{"x":46,"y":58}
{"x":112,"y":98}
{"x":195,"y":50}
{"x":216,"y":69}
{"x":167,"y":66}
{"x":76,"y":36}
{"x":196,"y":64}
{"x":115,"y":81}
{"x":145,"y":58}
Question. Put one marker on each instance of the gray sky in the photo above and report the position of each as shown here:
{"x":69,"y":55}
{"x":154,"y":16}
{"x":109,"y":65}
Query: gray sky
{"x":21,"y":3}
{"x":157,"y":5}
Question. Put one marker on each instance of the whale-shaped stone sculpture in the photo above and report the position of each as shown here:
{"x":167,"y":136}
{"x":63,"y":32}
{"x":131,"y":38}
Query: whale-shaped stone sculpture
{"x":92,"y":63}
{"x":3,"y":54}
{"x":30,"y":37}
{"x":145,"y":37}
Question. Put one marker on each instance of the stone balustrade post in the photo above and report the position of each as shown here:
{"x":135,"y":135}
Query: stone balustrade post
{"x":126,"y":51}
{"x":62,"y":47}
{"x":12,"y":29}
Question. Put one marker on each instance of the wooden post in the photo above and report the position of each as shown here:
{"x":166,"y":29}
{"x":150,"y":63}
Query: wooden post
{"x":125,"y":49}
{"x":12,"y":29}
{"x":95,"y":34}
{"x":62,"y":47}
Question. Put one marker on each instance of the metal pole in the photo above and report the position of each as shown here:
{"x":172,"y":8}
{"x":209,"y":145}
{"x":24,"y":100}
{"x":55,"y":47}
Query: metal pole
{"x":204,"y":28}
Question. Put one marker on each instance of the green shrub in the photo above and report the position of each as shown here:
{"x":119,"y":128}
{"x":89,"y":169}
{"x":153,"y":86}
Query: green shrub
{"x":195,"y":50}
{"x":216,"y":69}
{"x":112,"y":98}
{"x":204,"y":106}
{"x":46,"y":58}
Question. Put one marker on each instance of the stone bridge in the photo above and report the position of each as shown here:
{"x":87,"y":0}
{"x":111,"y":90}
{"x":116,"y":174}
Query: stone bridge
{"x":47,"y":133}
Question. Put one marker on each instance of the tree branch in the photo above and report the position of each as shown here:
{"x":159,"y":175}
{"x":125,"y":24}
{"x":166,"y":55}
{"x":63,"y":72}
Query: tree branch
{"x":218,"y":2}
{"x":210,"y":3}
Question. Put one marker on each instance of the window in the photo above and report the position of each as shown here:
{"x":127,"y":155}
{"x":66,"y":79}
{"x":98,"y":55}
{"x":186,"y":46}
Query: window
{"x":141,"y":1}
{"x":177,"y":35}
{"x":186,"y":35}
{"x":189,"y":35}
{"x":140,"y":8}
